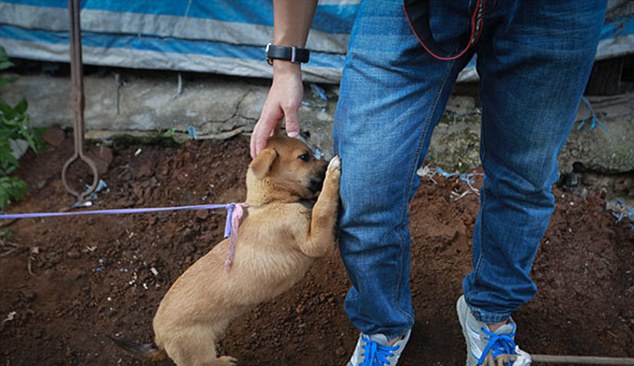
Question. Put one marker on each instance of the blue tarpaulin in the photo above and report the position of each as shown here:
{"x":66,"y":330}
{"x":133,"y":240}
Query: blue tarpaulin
{"x":215,"y":36}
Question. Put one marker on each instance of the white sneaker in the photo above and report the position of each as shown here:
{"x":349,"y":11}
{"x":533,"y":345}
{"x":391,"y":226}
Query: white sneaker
{"x":485,"y":346}
{"x":374,"y":351}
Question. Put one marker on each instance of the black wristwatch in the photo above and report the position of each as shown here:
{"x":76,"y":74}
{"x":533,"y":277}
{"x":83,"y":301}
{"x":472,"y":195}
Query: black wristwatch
{"x":293,"y":54}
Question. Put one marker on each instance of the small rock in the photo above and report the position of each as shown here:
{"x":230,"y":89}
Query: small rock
{"x":28,"y":295}
{"x":144,"y":170}
{"x":202,"y":214}
{"x":54,"y":258}
{"x":186,"y":237}
{"x":340,"y":352}
{"x":54,"y":136}
{"x":102,"y":157}
{"x":73,"y":254}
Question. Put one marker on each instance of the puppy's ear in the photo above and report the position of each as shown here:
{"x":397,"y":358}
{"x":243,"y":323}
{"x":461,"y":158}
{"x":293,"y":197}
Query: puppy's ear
{"x":263,"y":162}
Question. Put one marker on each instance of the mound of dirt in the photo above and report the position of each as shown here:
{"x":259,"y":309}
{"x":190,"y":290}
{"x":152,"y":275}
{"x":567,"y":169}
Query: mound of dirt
{"x":67,"y":281}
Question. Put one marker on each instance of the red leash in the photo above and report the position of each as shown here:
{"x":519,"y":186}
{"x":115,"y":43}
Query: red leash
{"x":418,"y":17}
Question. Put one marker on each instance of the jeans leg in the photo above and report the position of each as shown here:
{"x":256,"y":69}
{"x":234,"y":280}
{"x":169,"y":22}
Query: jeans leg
{"x":534,"y":63}
{"x":392,"y":94}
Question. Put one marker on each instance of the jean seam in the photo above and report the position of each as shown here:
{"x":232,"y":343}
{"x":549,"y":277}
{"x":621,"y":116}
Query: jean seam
{"x":479,"y":260}
{"x":408,"y":191}
{"x":478,"y":263}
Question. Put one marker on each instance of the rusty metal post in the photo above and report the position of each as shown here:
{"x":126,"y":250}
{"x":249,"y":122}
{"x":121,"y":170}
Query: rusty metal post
{"x":78,"y":102}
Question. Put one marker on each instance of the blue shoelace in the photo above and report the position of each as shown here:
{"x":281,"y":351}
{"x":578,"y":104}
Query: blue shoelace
{"x":375,"y":354}
{"x":499,"y":344}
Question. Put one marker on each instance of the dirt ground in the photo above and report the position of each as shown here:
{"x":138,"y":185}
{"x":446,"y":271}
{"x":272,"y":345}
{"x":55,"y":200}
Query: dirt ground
{"x":66,"y":281}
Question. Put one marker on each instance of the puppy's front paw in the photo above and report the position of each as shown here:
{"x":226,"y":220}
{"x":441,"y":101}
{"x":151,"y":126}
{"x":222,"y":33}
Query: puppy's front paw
{"x":334,"y":167}
{"x":333,"y":176}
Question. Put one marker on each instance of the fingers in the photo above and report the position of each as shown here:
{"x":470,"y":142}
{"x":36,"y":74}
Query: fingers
{"x":488,"y":360}
{"x":256,"y":145}
{"x":292,"y":122}
{"x":264,"y":128}
{"x":268,"y":124}
{"x":501,"y":360}
{"x":282,"y":102}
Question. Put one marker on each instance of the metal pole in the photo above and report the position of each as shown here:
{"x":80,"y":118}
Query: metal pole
{"x":78,"y":101}
{"x":582,"y":360}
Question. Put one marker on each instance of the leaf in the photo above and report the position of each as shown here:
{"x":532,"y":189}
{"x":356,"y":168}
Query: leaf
{"x":6,"y":112}
{"x":14,"y":124}
{"x":12,"y":189}
{"x":4,"y":197}
{"x":3,"y":54}
{"x":39,"y":139}
{"x":4,"y":81}
{"x":9,"y":165}
{"x":5,"y":64}
{"x":8,"y":162}
{"x":22,"y":106}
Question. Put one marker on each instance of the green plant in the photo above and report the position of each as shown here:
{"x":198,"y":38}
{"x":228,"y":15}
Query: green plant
{"x":5,"y":64}
{"x":14,"y":125}
{"x":5,"y":234}
{"x":12,"y":189}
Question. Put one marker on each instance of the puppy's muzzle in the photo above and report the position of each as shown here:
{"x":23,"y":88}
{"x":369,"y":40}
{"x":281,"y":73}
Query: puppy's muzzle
{"x":315,"y":185}
{"x":317,"y":182}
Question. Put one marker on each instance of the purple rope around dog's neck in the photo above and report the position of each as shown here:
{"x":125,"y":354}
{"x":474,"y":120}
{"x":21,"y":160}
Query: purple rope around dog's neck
{"x":234,"y":213}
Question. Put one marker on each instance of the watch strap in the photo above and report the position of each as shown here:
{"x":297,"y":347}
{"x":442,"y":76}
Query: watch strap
{"x":295,"y":55}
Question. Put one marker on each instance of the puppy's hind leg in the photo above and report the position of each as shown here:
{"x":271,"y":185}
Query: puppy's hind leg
{"x":224,"y":361}
{"x":195,"y":347}
{"x":202,"y":355}
{"x":321,"y":237}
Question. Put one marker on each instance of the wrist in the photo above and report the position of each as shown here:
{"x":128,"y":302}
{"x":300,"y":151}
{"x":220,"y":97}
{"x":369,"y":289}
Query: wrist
{"x":286,"y":67}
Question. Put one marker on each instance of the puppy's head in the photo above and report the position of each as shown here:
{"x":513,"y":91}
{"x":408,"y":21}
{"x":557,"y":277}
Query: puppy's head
{"x":286,"y":170}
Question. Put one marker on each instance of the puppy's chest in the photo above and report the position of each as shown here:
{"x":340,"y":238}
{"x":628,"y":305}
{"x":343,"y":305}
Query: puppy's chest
{"x":278,"y":223}
{"x":273,"y":265}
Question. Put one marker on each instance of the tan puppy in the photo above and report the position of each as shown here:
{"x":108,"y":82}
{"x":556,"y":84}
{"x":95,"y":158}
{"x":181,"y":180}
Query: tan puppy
{"x":279,"y":237}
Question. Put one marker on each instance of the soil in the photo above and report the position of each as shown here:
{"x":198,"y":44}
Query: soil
{"x":67,"y":281}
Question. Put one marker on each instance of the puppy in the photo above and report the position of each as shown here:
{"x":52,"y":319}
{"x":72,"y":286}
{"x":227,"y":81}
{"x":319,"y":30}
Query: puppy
{"x":279,"y":237}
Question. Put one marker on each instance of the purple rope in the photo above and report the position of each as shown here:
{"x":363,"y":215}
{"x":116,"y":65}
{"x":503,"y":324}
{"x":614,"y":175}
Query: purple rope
{"x":117,"y":211}
{"x":234,"y":213}
{"x":230,"y":208}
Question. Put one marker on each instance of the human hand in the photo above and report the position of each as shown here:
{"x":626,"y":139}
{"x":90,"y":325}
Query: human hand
{"x":282,"y":102}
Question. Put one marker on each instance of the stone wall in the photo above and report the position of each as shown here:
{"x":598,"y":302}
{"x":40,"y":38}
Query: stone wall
{"x":221,"y":107}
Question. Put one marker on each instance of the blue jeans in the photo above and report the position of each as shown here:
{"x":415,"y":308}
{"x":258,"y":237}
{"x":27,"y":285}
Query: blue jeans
{"x":534,"y":59}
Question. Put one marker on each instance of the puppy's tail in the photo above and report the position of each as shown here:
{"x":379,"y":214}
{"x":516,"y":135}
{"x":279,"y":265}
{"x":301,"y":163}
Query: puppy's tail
{"x":144,"y":352}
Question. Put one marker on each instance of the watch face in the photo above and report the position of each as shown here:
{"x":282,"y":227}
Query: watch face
{"x":266,"y":53}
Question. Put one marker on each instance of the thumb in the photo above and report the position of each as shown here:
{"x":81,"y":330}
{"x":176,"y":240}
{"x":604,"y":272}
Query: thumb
{"x":292,"y":123}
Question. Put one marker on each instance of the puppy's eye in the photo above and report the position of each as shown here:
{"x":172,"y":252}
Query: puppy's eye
{"x":305,"y":157}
